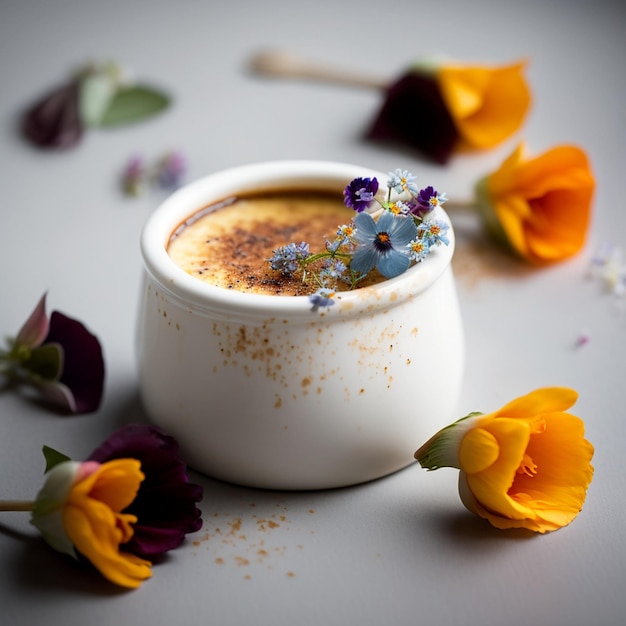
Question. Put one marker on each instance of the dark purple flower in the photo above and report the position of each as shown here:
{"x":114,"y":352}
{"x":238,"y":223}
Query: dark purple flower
{"x":55,"y":121}
{"x":424,"y":202}
{"x":61,"y":358}
{"x":359,"y":194}
{"x":415,"y":113}
{"x":165,"y":505}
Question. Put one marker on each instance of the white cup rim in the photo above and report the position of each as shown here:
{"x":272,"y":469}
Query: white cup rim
{"x":207,"y":299}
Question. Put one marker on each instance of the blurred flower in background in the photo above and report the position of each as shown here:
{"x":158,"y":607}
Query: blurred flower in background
{"x":442,"y":108}
{"x":540,"y":206}
{"x":97,"y":96}
{"x":58,"y":357}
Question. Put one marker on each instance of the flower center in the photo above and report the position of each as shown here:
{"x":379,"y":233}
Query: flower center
{"x":382,"y":243}
{"x":364,"y":195}
{"x":527,"y":466}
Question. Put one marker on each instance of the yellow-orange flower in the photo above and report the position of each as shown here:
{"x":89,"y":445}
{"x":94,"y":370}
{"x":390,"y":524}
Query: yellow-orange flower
{"x":541,"y":206}
{"x":79,"y":508}
{"x":487,"y":104}
{"x":527,"y":465}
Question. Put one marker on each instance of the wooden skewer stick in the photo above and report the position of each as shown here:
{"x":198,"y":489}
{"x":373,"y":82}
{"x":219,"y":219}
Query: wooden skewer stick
{"x":16,"y":505}
{"x":280,"y":64}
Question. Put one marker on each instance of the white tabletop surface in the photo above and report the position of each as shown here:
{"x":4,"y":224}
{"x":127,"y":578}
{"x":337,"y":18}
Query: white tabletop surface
{"x":400,"y":550}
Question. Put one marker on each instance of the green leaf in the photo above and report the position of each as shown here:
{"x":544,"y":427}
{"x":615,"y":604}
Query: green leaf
{"x":45,"y":362}
{"x":96,"y":93}
{"x":132,"y":104}
{"x":53,"y":457}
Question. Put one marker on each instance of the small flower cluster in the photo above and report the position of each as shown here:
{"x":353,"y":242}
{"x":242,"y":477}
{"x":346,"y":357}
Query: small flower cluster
{"x":167,"y":174}
{"x":387,"y":234}
{"x":609,"y":267}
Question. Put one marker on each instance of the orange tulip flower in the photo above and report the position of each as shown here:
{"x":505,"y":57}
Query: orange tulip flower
{"x":527,"y":465}
{"x":541,"y":206}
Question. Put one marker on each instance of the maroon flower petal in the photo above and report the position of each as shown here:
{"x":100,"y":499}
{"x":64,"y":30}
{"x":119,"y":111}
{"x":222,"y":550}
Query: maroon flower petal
{"x":83,"y":363}
{"x":166,"y":503}
{"x":414,"y":113}
{"x":54,"y":121}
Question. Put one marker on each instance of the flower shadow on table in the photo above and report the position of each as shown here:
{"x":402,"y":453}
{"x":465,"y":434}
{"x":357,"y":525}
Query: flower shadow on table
{"x":463,"y":529}
{"x":39,"y":569}
{"x":478,"y":258}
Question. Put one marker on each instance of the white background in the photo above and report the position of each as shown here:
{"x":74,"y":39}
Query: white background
{"x":401,"y":550}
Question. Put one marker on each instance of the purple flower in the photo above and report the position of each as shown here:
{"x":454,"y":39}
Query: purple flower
{"x":414,"y":113}
{"x":382,"y":244}
{"x":133,"y":177}
{"x":359,"y":194}
{"x":171,"y":171}
{"x":55,"y":121}
{"x":165,"y":505}
{"x":60,"y":357}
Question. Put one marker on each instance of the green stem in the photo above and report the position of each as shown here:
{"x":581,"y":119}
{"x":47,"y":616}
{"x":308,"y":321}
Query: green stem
{"x":325,"y":255}
{"x":457,"y":206}
{"x":16,"y":505}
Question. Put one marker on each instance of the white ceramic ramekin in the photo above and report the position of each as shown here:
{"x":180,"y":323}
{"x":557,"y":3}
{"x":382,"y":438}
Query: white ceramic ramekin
{"x":261,"y":391}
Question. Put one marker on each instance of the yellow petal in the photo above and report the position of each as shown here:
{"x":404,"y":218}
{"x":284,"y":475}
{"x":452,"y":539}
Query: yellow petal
{"x":512,"y":213}
{"x":564,"y":471}
{"x":92,"y":529}
{"x":498,"y":521}
{"x":490,"y":487}
{"x":95,"y":525}
{"x":478,"y":450}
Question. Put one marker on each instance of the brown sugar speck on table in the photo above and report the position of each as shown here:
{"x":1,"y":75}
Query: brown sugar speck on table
{"x":248,"y":540}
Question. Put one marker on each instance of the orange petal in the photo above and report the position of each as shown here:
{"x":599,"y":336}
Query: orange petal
{"x":564,"y":471}
{"x":487,"y":104}
{"x":490,"y":487}
{"x":478,"y":450}
{"x":543,"y":205}
{"x":94,"y":524}
{"x":562,"y":167}
{"x":116,"y":483}
{"x":93,"y":530}
{"x":538,"y":402}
